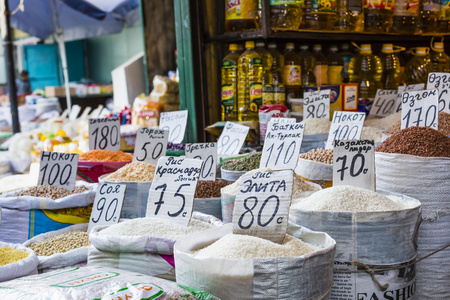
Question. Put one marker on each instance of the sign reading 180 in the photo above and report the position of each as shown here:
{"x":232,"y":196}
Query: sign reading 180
{"x":104,"y":134}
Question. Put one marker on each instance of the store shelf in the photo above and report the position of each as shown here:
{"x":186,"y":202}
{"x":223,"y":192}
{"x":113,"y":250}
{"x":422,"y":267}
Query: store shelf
{"x":321,"y":36}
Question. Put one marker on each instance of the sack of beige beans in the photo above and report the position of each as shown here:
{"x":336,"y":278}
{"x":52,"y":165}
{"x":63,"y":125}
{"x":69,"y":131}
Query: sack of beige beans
{"x":428,"y":180}
{"x":300,"y":188}
{"x":63,"y":248}
{"x":40,"y":209}
{"x":143,"y":245}
{"x":16,"y":261}
{"x":377,"y":230}
{"x":316,"y":166}
{"x":243,"y":267}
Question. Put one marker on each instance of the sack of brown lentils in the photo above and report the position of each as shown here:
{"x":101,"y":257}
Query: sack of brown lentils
{"x":61,"y":248}
{"x":143,"y":245}
{"x":16,"y":261}
{"x":41,"y":209}
{"x":416,"y":162}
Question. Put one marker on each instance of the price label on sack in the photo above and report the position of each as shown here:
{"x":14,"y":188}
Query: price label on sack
{"x":58,"y":169}
{"x":262,"y":204}
{"x":441,"y":81}
{"x":175,"y":122}
{"x":171,"y":195}
{"x":407,"y":88}
{"x":104,"y":134}
{"x":207,"y":152}
{"x":282,"y":146}
{"x":354,"y":163}
{"x":384,"y":103}
{"x":232,"y":138}
{"x":151,"y":144}
{"x":107,"y":204}
{"x":316,"y":104}
{"x":345,"y":126}
{"x":420,"y":109}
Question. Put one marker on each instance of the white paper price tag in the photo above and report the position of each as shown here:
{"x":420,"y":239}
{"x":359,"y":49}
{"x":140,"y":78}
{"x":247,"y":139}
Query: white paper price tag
{"x":232,"y":138}
{"x":175,"y":122}
{"x":420,"y":109}
{"x":281,"y":121}
{"x":282,"y":146}
{"x":262,"y":205}
{"x":316,"y":104}
{"x":58,"y":169}
{"x":207,"y":152}
{"x":354,"y":163}
{"x":384,"y":103}
{"x":407,"y":88}
{"x":441,"y":81}
{"x":171,"y":195}
{"x":107,"y":204}
{"x":104,"y":134}
{"x":345,"y":126}
{"x":151,"y":144}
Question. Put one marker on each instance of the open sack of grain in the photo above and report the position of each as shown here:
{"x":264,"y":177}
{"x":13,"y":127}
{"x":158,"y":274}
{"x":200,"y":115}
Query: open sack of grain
{"x":416,"y":162}
{"x":138,"y":177}
{"x":228,"y":193}
{"x":66,"y":247}
{"x":245,"y":267}
{"x":378,"y":229}
{"x":234,"y":167}
{"x":143,"y":245}
{"x":96,"y":283}
{"x":316,"y":166}
{"x":40,"y":209}
{"x":16,"y":261}
{"x":207,"y":197}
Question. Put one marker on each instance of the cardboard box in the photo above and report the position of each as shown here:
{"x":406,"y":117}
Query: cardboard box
{"x":344,"y":97}
{"x":57,"y":91}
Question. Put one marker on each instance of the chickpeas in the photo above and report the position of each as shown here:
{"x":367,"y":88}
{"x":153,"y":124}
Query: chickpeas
{"x":319,"y":155}
{"x":61,"y":243}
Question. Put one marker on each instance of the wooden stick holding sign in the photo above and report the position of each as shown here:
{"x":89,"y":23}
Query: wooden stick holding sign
{"x":104,"y":134}
{"x":282,"y":146}
{"x":262,"y":204}
{"x":345,"y":126}
{"x":316,"y":104}
{"x":58,"y":169}
{"x":354,"y":163}
{"x":232,"y":138}
{"x":151,"y":144}
{"x":441,"y":81}
{"x":420,"y":109}
{"x":107,"y":204}
{"x":207,"y":152}
{"x":171,"y":195}
{"x":175,"y":122}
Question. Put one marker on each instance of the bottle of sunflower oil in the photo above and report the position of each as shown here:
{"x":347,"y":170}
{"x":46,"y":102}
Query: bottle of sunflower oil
{"x":229,"y":84}
{"x":391,"y":67}
{"x":418,"y":67}
{"x":439,"y":59}
{"x":250,"y":76}
{"x":240,"y":14}
{"x":291,"y":73}
{"x":285,"y":14}
{"x":279,"y":95}
{"x":267,"y":83}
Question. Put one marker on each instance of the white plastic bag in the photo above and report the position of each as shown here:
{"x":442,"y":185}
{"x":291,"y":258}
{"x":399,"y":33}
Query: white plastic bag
{"x":21,"y":268}
{"x":60,"y":260}
{"x":428,"y":180}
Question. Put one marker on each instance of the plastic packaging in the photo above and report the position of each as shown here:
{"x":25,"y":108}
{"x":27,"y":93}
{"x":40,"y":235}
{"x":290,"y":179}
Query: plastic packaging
{"x":291,"y":73}
{"x":391,"y":67}
{"x":320,"y":14}
{"x":335,"y":66}
{"x":267,"y":81}
{"x":406,"y":16}
{"x":285,"y":14}
{"x":378,"y":15}
{"x":321,"y":68}
{"x":307,"y":64}
{"x":279,"y":94}
{"x":250,"y":73}
{"x":240,"y":15}
{"x":418,"y":67}
{"x":366,"y":69}
{"x":439,"y":59}
{"x":229,"y":84}
{"x":344,"y":18}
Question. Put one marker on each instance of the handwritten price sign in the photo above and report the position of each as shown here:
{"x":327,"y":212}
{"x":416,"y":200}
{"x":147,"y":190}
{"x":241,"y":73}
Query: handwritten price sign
{"x":316,"y":104}
{"x":441,"y":81}
{"x":345,"y":126}
{"x":175,"y":122}
{"x":420,"y":109}
{"x":232,"y":138}
{"x":207,"y":152}
{"x":384,"y":103}
{"x":104,"y":134}
{"x":150,"y":145}
{"x":58,"y":169}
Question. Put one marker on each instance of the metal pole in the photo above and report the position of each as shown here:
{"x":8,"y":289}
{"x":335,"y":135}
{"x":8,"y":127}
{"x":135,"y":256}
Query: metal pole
{"x":10,"y":70}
